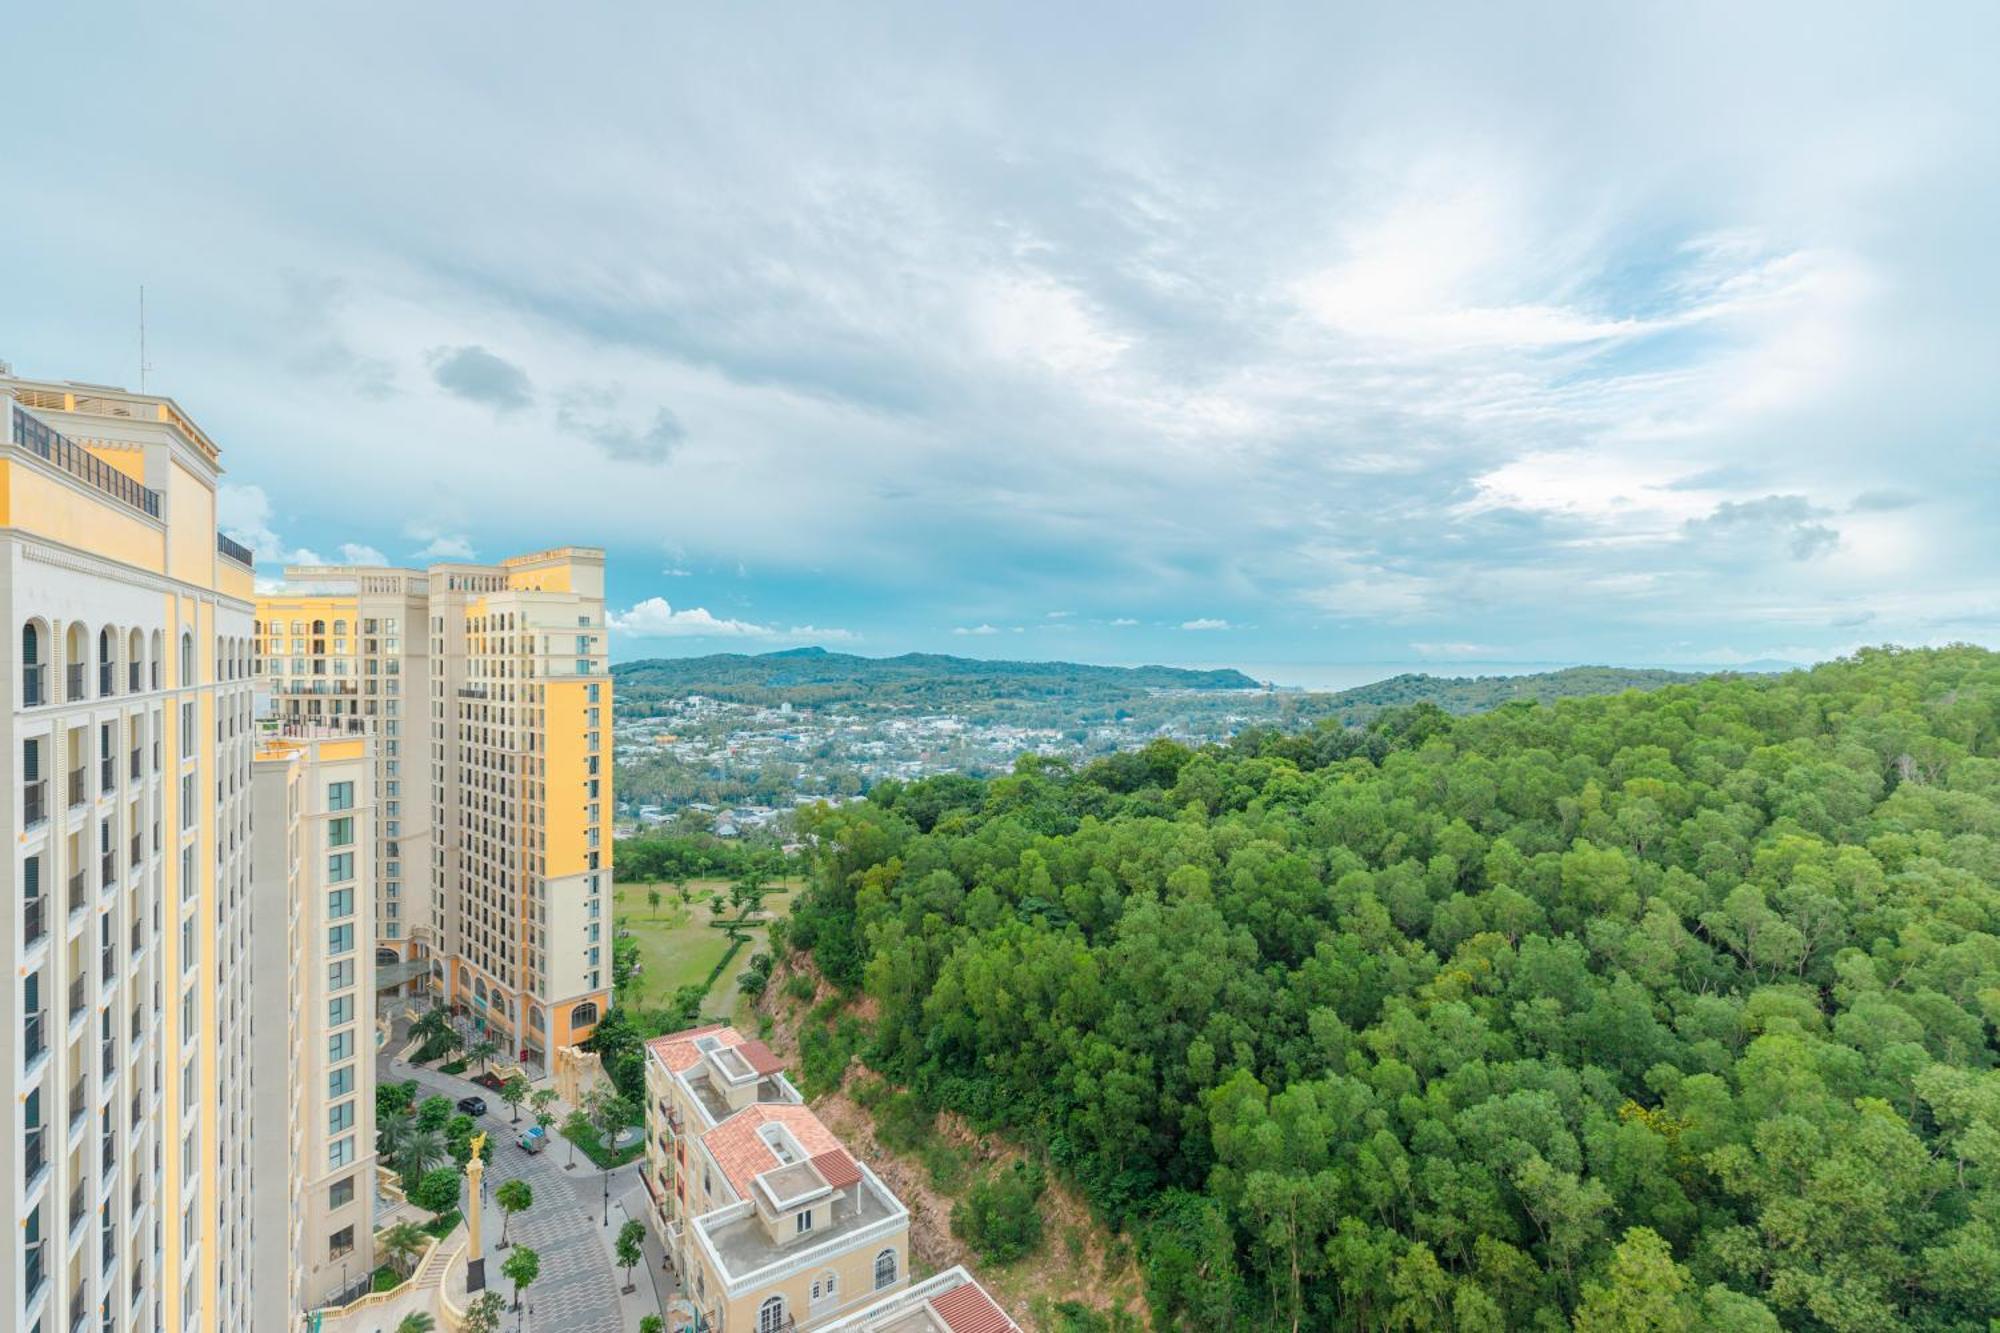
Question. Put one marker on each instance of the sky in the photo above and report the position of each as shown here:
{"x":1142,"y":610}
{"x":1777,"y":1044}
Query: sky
{"x":1204,"y":334}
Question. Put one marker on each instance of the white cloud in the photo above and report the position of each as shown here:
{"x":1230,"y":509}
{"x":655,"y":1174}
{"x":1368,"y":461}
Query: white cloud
{"x":1124,"y":621}
{"x":439,"y":544}
{"x":656,"y":618}
{"x":357,"y":553}
{"x":1205,"y":623}
{"x":975,"y":629}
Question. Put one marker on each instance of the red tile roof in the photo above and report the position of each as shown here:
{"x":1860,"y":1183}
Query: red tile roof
{"x":837,"y":1168}
{"x":968,"y":1309}
{"x":743,"y":1155}
{"x":761,"y":1057}
{"x":678,"y":1052}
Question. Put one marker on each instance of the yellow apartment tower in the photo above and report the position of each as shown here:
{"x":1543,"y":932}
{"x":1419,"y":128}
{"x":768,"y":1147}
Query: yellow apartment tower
{"x":125,"y":1069}
{"x":488,"y":691}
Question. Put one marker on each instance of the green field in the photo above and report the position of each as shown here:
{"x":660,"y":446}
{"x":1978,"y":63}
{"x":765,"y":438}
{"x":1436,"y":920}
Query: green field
{"x":677,"y":945}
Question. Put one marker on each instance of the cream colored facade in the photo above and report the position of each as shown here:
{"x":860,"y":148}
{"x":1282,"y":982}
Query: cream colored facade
{"x":491,"y":705}
{"x":521,"y":735}
{"x":346,"y":647}
{"x":312,"y":931}
{"x":771,"y":1223}
{"x":125,"y":1069}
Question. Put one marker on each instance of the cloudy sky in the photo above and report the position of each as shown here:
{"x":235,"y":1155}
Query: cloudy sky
{"x":1119,"y":332}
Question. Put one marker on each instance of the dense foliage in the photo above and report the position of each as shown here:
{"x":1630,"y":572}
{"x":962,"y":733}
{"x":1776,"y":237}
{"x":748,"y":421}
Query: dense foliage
{"x":1479,"y":694}
{"x":668,"y":858}
{"x":1651,"y":1011}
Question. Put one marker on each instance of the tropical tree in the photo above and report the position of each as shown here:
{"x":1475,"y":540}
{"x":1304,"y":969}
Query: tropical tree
{"x":434,"y":1023}
{"x":523,"y":1266}
{"x":421,"y":1150}
{"x":608,"y":1115}
{"x":631,"y":1247}
{"x":403,"y":1243}
{"x":433,"y":1112}
{"x":652,"y":1323}
{"x":575,"y":1126}
{"x":682,"y":891}
{"x":392,"y":1131}
{"x":483,"y":1315}
{"x":513,"y":1196}
{"x":419,"y":1322}
{"x":437,"y":1192}
{"x":541,"y":1099}
{"x":483,"y":1051}
{"x":513,"y":1092}
{"x":653,"y":900}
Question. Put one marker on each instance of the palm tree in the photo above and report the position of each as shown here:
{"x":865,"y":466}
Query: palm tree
{"x":402,"y":1243}
{"x":483,"y":1050}
{"x":422,"y":1150}
{"x":419,"y":1322}
{"x":391,"y":1133}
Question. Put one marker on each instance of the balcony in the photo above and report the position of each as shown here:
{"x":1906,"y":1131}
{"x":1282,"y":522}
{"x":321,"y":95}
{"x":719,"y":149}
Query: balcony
{"x":78,"y":1102}
{"x":35,"y":802}
{"x":108,"y":1154}
{"x":78,"y":1205}
{"x":236,"y":551}
{"x":107,"y":871}
{"x":34,"y":920}
{"x":34,"y":685}
{"x":73,"y":681}
{"x":78,"y":1315}
{"x":35,"y":1153}
{"x":138,"y":850}
{"x":107,"y":773}
{"x":76,"y":998}
{"x":77,"y":793}
{"x":110,"y":1068}
{"x":78,"y":897}
{"x":38,"y":438}
{"x":108,"y":971}
{"x":107,"y":679}
{"x":132,"y":678}
{"x":34,"y":1039}
{"x":138,"y":937}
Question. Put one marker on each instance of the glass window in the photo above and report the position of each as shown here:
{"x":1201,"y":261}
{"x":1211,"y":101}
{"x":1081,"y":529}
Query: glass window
{"x":340,"y":1193}
{"x":340,"y":903}
{"x":340,"y":939}
{"x":340,"y":796}
{"x":340,"y":1082}
{"x":340,"y":832}
{"x":340,"y":1116}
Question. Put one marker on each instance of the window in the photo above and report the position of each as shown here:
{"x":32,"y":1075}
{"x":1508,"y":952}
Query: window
{"x":341,"y":1243}
{"x":340,"y":866}
{"x":339,"y":1010}
{"x":885,"y":1269}
{"x":804,"y":1222}
{"x":340,"y":1193}
{"x":340,"y":1047}
{"x":340,"y":832}
{"x":340,"y":1082}
{"x":340,"y":1116}
{"x":340,"y":796}
{"x":583,"y":1015}
{"x":340,"y":903}
{"x":341,"y":1152}
{"x":340,"y":975}
{"x":771,"y":1316}
{"x":340,"y":939}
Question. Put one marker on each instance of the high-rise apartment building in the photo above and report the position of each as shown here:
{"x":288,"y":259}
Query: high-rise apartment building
{"x":125,"y":1071}
{"x":348,"y":648}
{"x":488,"y":690}
{"x":313,"y":984}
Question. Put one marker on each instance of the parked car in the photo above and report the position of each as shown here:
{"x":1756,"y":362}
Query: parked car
{"x":533,"y":1139}
{"x":472,"y":1106}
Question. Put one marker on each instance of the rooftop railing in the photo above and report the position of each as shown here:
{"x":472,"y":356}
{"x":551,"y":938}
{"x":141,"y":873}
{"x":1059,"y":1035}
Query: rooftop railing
{"x":42,"y":440}
{"x":236,"y":551}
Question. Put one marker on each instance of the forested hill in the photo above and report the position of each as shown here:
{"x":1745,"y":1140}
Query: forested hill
{"x":1669,"y":1010}
{"x":1477,"y":694}
{"x":813,"y":677}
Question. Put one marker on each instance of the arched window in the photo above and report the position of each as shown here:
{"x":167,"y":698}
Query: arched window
{"x":107,"y":653}
{"x":135,"y":653}
{"x":34,"y":669}
{"x":187,"y":660}
{"x":771,"y":1315}
{"x":885,"y":1269}
{"x":583,"y":1015}
{"x":340,"y":629}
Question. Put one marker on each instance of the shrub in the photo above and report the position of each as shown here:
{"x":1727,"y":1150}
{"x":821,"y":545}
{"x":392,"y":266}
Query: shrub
{"x":1000,"y":1218}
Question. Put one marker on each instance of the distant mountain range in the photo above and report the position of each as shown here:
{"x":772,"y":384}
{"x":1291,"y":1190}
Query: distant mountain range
{"x":1072,"y":693}
{"x":816,"y":678}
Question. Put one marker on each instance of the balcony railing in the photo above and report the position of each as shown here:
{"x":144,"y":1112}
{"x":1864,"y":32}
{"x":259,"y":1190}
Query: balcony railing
{"x":110,"y":1065}
{"x":107,"y":866}
{"x":73,"y":681}
{"x":107,"y":773}
{"x":34,"y":685}
{"x":109,"y":959}
{"x":33,"y":1038}
{"x":77,"y":1205}
{"x":35,"y":801}
{"x":38,"y":438}
{"x":106,"y":678}
{"x":35,"y":1152}
{"x":76,"y":996}
{"x":132,"y":678}
{"x":78,"y":900}
{"x":77,"y":792}
{"x":34,"y":922}
{"x":138,"y":849}
{"x":236,"y":551}
{"x":78,"y":1105}
{"x":78,"y":1315}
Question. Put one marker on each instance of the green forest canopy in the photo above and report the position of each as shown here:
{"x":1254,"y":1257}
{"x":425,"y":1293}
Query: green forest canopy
{"x":1666,"y":1010}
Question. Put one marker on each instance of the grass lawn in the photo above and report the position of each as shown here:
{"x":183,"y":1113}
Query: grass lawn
{"x":677,"y":945}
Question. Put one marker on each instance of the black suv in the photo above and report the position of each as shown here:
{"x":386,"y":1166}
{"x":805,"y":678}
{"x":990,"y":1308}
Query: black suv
{"x":473,"y":1106}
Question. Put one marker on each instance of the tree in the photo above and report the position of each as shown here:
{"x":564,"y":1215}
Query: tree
{"x":682,"y":891}
{"x":631,"y":1247}
{"x":513,"y":1092}
{"x":483,"y":1050}
{"x":575,"y":1125}
{"x":653,"y":900}
{"x":624,"y":963}
{"x":608,"y":1115}
{"x":523,"y":1266}
{"x":433,"y":1112}
{"x":403,"y":1242}
{"x":652,"y":1323}
{"x":416,"y":1322}
{"x":437,"y":1192}
{"x":419,"y":1151}
{"x":513,"y":1196}
{"x":483,"y":1315}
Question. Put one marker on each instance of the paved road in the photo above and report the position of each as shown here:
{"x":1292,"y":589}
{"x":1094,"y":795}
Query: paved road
{"x":577,"y":1291}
